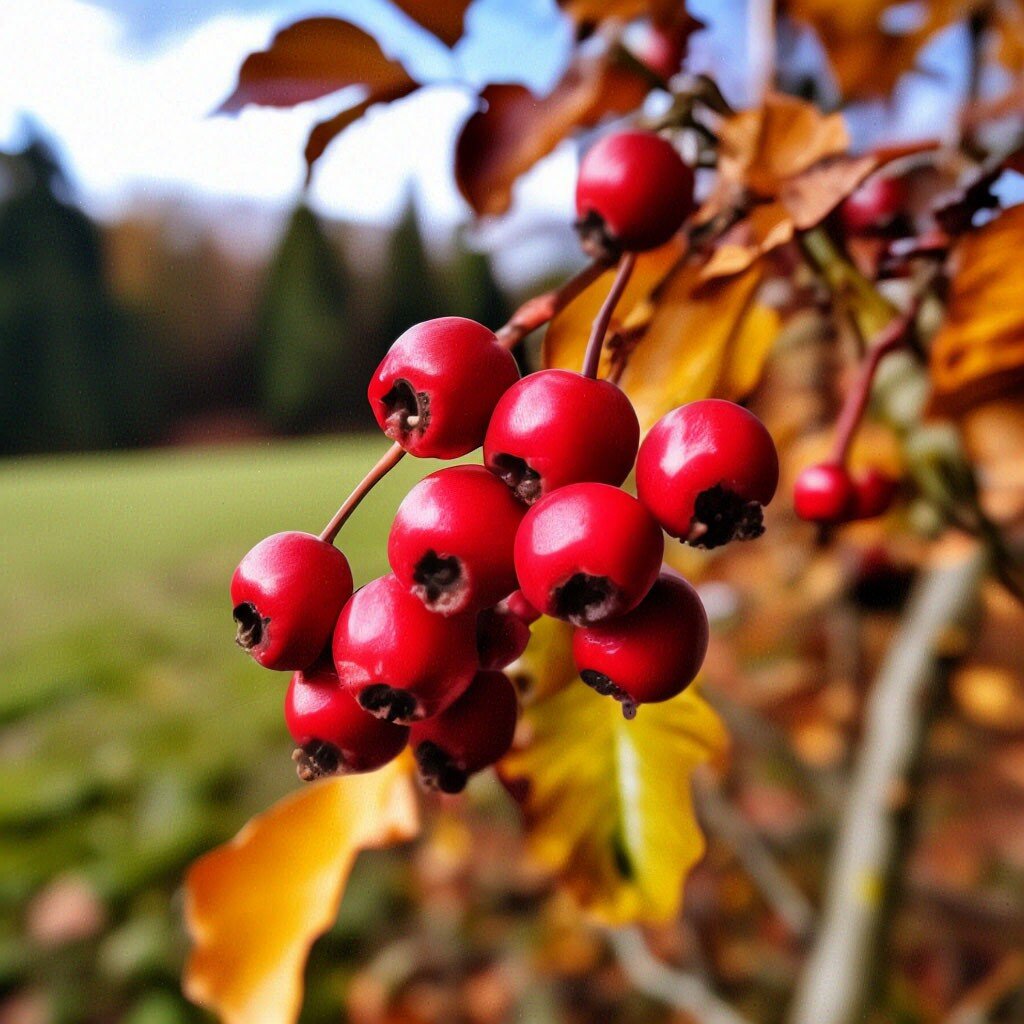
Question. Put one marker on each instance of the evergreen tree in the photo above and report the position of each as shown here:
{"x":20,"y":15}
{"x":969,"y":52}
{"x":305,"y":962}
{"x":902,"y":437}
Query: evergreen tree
{"x":473,"y":289}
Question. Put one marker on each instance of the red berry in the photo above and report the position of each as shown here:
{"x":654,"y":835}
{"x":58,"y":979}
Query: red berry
{"x":873,"y":493}
{"x":435,"y":390}
{"x":557,"y":427}
{"x":874,"y":206}
{"x":706,"y":470}
{"x":501,"y":636}
{"x":633,"y":193}
{"x":517,"y":604}
{"x":452,"y":539}
{"x":824,"y":494}
{"x":287,"y":593}
{"x":588,"y":552}
{"x":400,"y":661}
{"x":652,"y":653}
{"x":335,"y":736}
{"x":662,"y":47}
{"x":473,"y":733}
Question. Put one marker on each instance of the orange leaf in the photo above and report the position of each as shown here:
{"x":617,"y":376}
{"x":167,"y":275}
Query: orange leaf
{"x":978,"y":354}
{"x":516,"y":128}
{"x":590,"y":11}
{"x":255,"y":905}
{"x":313,"y":58}
{"x":444,"y":18}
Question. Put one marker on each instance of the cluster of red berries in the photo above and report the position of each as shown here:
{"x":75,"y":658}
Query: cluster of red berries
{"x":829,"y":494}
{"x":478,"y":553}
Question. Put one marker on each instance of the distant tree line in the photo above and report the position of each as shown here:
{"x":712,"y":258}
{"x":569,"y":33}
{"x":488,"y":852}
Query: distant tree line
{"x":86,"y":365}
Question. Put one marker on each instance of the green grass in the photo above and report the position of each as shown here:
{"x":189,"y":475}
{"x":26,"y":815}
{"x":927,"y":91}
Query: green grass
{"x":134,"y":734}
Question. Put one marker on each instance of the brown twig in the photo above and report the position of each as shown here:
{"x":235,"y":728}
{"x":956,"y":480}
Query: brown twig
{"x":384,"y":465}
{"x":592,"y":358}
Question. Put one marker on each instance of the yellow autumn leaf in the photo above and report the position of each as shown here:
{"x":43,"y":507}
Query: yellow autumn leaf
{"x":607,"y":802}
{"x":546,"y":666}
{"x":701,"y":342}
{"x":255,"y":905}
{"x":978,"y":353}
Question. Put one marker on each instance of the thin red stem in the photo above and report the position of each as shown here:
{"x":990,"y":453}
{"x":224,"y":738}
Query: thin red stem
{"x":892,"y":337}
{"x":384,"y":465}
{"x":592,"y":359}
{"x":541,"y":309}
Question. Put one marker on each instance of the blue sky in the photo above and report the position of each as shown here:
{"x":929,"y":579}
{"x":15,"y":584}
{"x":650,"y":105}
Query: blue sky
{"x":125,"y":87}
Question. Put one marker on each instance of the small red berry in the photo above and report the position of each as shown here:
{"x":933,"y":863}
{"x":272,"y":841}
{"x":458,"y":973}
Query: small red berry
{"x":335,"y":736}
{"x":557,"y":427}
{"x":474,"y":732}
{"x":824,"y":493}
{"x":633,"y":193}
{"x":452,"y":539}
{"x":874,"y":206}
{"x":435,"y":390}
{"x":706,"y":470}
{"x":650,"y":654}
{"x":873,"y":493}
{"x":517,"y":604}
{"x":588,"y":552}
{"x":399,"y":660}
{"x":287,"y":593}
{"x":501,"y":636}
{"x":662,"y":47}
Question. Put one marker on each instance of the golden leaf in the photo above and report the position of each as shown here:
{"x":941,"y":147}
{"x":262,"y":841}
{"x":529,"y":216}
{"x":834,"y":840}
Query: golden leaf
{"x":255,"y":905}
{"x":515,"y":128}
{"x":607,"y":802}
{"x":978,"y":353}
{"x":546,"y":666}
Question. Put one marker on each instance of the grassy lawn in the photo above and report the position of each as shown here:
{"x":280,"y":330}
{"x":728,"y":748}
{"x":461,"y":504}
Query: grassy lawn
{"x":133,"y":733}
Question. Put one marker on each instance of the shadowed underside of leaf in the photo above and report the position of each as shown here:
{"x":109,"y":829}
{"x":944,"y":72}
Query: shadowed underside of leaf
{"x":443,"y":18}
{"x":607,"y":802}
{"x":255,"y":905}
{"x":515,"y":128}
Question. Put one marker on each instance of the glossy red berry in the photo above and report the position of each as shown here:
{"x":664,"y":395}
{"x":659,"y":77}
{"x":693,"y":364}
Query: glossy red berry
{"x":557,"y":427}
{"x":501,"y":636}
{"x":662,"y":47}
{"x":874,"y":206}
{"x":650,"y":654}
{"x":517,"y":604}
{"x":435,"y":390}
{"x":588,"y":552}
{"x":473,"y":733}
{"x":824,"y":493}
{"x":873,"y":493}
{"x":335,"y":736}
{"x":633,"y":193}
{"x":287,"y":593}
{"x":452,"y":539}
{"x":706,"y":470}
{"x":399,"y":660}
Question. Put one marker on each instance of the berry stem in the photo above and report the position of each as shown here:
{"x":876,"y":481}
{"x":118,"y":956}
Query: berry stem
{"x":892,"y":337}
{"x":592,"y":359}
{"x":384,"y":465}
{"x":541,"y":309}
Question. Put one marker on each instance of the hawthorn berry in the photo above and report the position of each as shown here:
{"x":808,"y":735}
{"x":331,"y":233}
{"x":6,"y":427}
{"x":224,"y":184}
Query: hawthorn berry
{"x":399,"y":660}
{"x":287,"y":593}
{"x":471,"y":734}
{"x":633,"y":193}
{"x":517,"y":604}
{"x":501,"y":636}
{"x":650,"y":654}
{"x":452,"y":539}
{"x":335,"y":736}
{"x":587,"y":552}
{"x":874,"y":206}
{"x":557,"y":427}
{"x":662,"y":47}
{"x":873,"y":493}
{"x":435,"y":390}
{"x":706,"y":470}
{"x":824,"y":493}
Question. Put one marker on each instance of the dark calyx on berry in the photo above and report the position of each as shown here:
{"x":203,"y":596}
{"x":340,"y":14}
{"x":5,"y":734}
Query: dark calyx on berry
{"x":408,"y":410}
{"x":584,"y":599}
{"x":385,"y":702}
{"x":516,"y":473}
{"x":251,"y":627}
{"x":601,"y":684}
{"x":437,"y":770}
{"x":719,"y":516}
{"x":439,"y":580}
{"x":595,"y":239}
{"x":316,"y":760}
